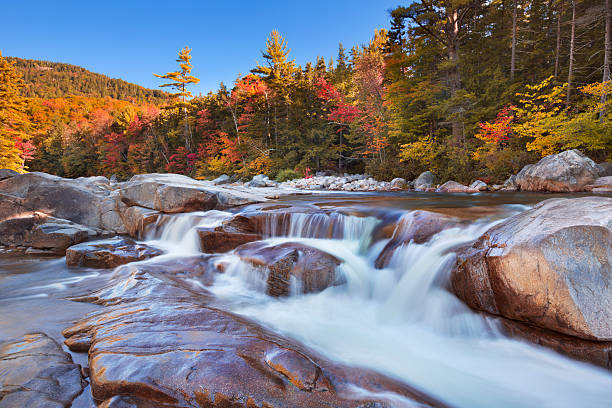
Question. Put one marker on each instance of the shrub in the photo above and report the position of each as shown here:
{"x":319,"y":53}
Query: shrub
{"x":286,"y":175}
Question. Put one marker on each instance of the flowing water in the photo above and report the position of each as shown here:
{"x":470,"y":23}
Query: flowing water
{"x":401,"y":321}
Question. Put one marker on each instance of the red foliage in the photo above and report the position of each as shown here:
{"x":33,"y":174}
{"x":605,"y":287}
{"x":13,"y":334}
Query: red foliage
{"x":26,"y":148}
{"x":182,"y":162}
{"x":501,"y":129}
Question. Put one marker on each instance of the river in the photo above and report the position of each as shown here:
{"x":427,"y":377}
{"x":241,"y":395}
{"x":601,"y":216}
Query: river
{"x":400,"y":320}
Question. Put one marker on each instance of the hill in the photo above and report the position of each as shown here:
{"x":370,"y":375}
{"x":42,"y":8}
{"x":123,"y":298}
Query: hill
{"x":45,"y":79}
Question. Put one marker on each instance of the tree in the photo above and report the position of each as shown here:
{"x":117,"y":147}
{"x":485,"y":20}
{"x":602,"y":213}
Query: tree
{"x":179,"y":81}
{"x":14,"y":149}
{"x":514,"y":24}
{"x":570,"y":71}
{"x":606,"y":65}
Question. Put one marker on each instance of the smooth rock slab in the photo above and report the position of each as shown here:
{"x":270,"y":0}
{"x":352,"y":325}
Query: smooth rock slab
{"x":171,"y":349}
{"x":549,"y":266}
{"x":36,"y":372}
{"x":109,"y":253}
{"x":454,"y":187}
{"x":45,"y":233}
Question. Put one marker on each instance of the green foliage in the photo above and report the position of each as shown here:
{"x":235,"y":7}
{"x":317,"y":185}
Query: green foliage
{"x":287,"y":174}
{"x":45,"y":79}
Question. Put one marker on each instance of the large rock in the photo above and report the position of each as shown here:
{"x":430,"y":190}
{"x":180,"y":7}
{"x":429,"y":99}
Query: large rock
{"x":48,"y":234}
{"x":7,"y":173}
{"x":454,"y":187}
{"x":36,"y":372}
{"x":137,"y":220}
{"x":479,"y":185}
{"x":87,"y":201}
{"x":291,"y":267}
{"x":222,"y":179}
{"x":549,"y":266}
{"x":161,"y":345}
{"x":418,"y":227}
{"x":109,"y":253}
{"x":231,"y":234}
{"x":424,"y":181}
{"x":398,"y":183}
{"x":567,"y":171}
{"x":169,"y":193}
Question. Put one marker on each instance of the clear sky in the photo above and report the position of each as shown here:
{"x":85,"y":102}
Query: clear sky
{"x":132,"y":39}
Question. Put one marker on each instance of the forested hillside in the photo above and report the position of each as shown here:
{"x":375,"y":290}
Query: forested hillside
{"x":464,"y":88}
{"x":45,"y":79}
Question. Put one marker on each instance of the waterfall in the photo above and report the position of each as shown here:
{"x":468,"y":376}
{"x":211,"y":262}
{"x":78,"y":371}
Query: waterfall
{"x":401,"y":320}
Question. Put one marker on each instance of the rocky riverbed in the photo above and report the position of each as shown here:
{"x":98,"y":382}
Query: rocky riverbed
{"x":164,"y":291}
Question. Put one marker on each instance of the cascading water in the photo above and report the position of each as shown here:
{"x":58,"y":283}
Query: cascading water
{"x":400,"y":320}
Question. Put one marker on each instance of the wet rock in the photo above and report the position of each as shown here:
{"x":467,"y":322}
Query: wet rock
{"x":454,"y":187}
{"x":549,"y":266}
{"x":222,"y":239}
{"x":35,"y":372}
{"x":594,"y":352}
{"x":7,"y":173}
{"x":424,"y":181}
{"x":137,"y":219}
{"x":222,"y":179}
{"x":291,"y":267}
{"x":42,"y":232}
{"x":398,"y":183}
{"x":109,"y":253}
{"x":417,"y":226}
{"x":162,"y":351}
{"x":567,"y":171}
{"x":479,"y":185}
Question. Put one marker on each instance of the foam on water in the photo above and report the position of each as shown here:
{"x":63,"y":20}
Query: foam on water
{"x":402,"y":321}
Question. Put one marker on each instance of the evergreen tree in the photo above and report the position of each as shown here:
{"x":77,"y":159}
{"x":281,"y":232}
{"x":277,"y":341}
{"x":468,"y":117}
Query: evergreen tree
{"x":179,"y":81}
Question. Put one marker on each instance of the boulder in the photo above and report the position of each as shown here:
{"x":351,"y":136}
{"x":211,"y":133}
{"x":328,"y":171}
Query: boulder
{"x":7,"y":173}
{"x":398,"y":183}
{"x":549,"y":266}
{"x":417,"y":226}
{"x":36,"y":372}
{"x":479,"y":185}
{"x":261,"y":180}
{"x":424,"y":181}
{"x":137,"y":219}
{"x":48,"y":234}
{"x":510,"y":184}
{"x":168,"y":193}
{"x":292,"y":267}
{"x":75,"y":200}
{"x":173,"y":350}
{"x":564,"y":172}
{"x":454,"y":187}
{"x":224,"y":238}
{"x":222,"y":179}
{"x":109,"y":253}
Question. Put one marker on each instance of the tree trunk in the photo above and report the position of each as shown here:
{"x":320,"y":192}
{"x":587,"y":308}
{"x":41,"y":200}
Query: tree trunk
{"x":571,"y":55}
{"x":513,"y":58}
{"x":454,"y":75}
{"x":606,"y":67}
{"x":558,"y":49}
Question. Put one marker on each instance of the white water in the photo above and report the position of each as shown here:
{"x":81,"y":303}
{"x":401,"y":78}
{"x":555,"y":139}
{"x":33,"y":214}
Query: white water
{"x":401,"y":321}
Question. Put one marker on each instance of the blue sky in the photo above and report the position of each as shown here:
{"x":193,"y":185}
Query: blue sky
{"x":132,"y":39}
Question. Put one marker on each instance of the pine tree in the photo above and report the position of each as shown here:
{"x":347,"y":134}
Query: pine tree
{"x":179,"y":81}
{"x":13,"y":120}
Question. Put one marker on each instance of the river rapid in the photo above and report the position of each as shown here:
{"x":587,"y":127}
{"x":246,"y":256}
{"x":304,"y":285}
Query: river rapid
{"x":400,"y":320}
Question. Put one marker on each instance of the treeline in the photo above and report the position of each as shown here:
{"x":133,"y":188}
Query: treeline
{"x":45,"y":79}
{"x":467,"y":89}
